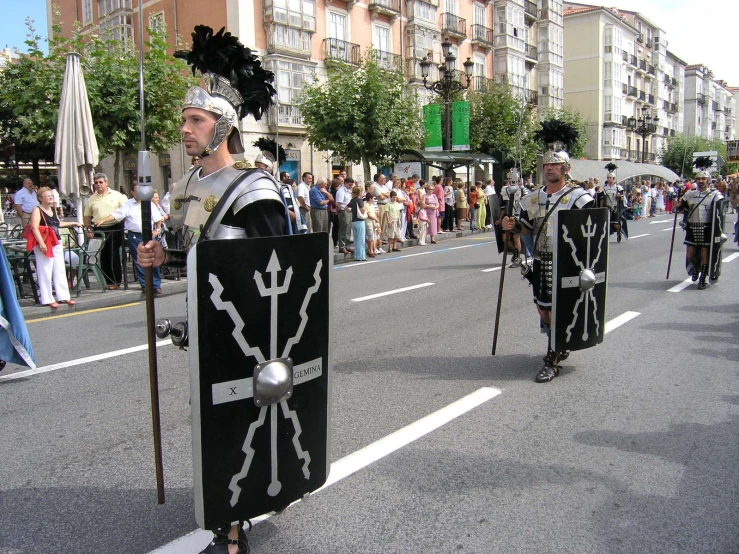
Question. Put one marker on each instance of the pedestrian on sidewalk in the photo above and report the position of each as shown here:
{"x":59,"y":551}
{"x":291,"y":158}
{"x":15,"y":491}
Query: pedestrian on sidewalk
{"x":320,"y":198}
{"x":392,"y":214}
{"x":343,"y":197}
{"x":474,"y":206}
{"x":99,"y":206}
{"x":448,"y":223}
{"x":371,"y":225}
{"x":357,"y":211}
{"x":48,"y":250}
{"x":431,"y":205}
{"x":130,"y":214}
{"x":482,"y":209}
{"x":460,"y":204}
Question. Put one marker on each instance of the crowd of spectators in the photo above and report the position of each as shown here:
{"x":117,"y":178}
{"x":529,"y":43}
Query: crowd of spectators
{"x":378,"y":216}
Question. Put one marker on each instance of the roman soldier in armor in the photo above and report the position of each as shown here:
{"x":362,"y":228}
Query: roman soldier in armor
{"x":702,"y":223}
{"x":220,"y":197}
{"x":611,"y":196}
{"x":537,"y":210}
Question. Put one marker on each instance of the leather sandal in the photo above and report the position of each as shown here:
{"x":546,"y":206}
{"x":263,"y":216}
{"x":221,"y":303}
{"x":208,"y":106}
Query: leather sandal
{"x":53,"y":305}
{"x":68,"y":302}
{"x":221,"y":542}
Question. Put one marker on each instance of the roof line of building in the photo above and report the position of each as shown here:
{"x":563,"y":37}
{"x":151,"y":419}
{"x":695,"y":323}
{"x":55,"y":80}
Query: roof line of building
{"x":608,"y":11}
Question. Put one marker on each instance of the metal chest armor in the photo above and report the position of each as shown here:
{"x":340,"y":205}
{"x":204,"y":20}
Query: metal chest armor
{"x":610,"y":193}
{"x":700,"y":205}
{"x":198,"y":201}
{"x":538,"y":203}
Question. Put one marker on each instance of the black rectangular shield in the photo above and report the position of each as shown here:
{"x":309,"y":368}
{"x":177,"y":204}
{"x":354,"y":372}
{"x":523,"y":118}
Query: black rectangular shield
{"x":251,"y":301}
{"x":579,"y":278}
{"x":717,"y":232}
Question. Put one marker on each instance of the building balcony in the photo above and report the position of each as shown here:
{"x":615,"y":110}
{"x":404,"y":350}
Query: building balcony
{"x":651,"y":70}
{"x":672,"y":132}
{"x":612,"y":120}
{"x":701,"y":98}
{"x":640,"y":38}
{"x":670,"y":82}
{"x":648,"y":44}
{"x":624,"y":153}
{"x":282,"y":39}
{"x":642,"y":66}
{"x":713,"y":125}
{"x":336,"y":50}
{"x":530,"y":9}
{"x":482,"y":37}
{"x":532,"y":97}
{"x":532,"y":53}
{"x":631,"y":91}
{"x":650,"y":99}
{"x":453,"y":25}
{"x":632,"y":60}
{"x":715,"y":107}
{"x":413,"y":71}
{"x":625,"y":55}
{"x":286,"y":115}
{"x":390,"y":8}
{"x":634,"y":155}
{"x":642,"y":96}
{"x":481,"y":83}
{"x":388,"y":60}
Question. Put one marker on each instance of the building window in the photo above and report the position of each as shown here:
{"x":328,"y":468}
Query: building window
{"x":119,"y":27}
{"x":450,"y":6}
{"x":156,"y":22}
{"x":424,"y":11}
{"x":423,"y":42}
{"x":295,"y":13}
{"x":381,"y":39}
{"x":287,"y":37}
{"x":86,"y":12}
{"x":106,"y":7}
{"x":479,"y":15}
{"x":289,"y":84}
{"x":337,"y":27}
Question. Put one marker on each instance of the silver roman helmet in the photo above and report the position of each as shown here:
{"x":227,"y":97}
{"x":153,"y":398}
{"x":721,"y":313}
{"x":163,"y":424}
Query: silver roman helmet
{"x":237,"y":85}
{"x":702,"y":175}
{"x":560,"y":137}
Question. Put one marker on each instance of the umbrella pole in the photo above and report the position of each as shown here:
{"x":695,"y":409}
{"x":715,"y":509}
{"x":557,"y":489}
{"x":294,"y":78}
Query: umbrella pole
{"x":145,"y":193}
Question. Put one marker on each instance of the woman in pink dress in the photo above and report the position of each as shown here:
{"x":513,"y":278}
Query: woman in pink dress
{"x":431,"y":204}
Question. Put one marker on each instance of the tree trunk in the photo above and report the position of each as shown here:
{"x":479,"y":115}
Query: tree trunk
{"x":116,"y":170}
{"x":366,"y":168}
{"x":36,"y":173}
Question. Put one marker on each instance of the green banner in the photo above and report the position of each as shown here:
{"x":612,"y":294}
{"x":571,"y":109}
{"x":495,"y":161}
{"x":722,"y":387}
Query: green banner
{"x":432,"y":126}
{"x":460,"y":125}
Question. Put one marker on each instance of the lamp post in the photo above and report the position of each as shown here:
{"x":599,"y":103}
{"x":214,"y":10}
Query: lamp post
{"x":645,"y":126}
{"x":446,"y":85}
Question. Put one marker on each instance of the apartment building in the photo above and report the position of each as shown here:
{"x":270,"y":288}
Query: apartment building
{"x":710,"y":106}
{"x":7,"y":56}
{"x":515,"y":41}
{"x":620,"y":75}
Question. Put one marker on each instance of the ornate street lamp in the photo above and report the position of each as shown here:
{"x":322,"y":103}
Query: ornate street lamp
{"x":645,"y":126}
{"x":447,"y":85}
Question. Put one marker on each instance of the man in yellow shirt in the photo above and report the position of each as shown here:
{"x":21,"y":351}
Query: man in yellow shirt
{"x":100,"y":205}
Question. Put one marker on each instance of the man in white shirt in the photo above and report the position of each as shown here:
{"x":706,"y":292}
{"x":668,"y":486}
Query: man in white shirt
{"x":492,"y":205}
{"x":343,"y":197}
{"x":130,"y":213}
{"x":382,"y":196}
{"x":25,"y":201}
{"x":303,"y":195}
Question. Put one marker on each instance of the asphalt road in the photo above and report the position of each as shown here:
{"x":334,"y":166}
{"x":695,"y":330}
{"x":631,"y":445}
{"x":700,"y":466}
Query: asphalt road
{"x":632,"y":449}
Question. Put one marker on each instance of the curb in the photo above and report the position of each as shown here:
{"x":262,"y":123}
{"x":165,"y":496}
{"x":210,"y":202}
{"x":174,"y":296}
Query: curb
{"x":95,"y":299}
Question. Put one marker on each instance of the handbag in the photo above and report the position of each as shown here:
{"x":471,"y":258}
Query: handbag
{"x":360,"y":215}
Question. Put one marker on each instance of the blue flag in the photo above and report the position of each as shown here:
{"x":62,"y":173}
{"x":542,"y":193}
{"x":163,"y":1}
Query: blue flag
{"x":15,"y":344}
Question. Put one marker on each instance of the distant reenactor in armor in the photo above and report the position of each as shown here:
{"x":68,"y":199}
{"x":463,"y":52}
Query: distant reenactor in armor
{"x":612,"y":197}
{"x":703,"y":224}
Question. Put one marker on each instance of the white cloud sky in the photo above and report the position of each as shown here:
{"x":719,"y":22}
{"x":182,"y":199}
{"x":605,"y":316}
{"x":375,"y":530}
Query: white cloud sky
{"x":698,"y":31}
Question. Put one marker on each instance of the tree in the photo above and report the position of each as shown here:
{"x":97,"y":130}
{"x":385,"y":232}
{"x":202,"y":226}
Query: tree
{"x":677,"y":153}
{"x":498,"y":120}
{"x":362,"y":114}
{"x":574,"y":118}
{"x":31,"y":89}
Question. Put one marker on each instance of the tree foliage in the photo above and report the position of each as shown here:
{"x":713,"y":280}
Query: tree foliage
{"x":498,"y":121}
{"x":574,"y":118}
{"x":31,"y":89}
{"x":677,"y":153}
{"x":362,"y":114}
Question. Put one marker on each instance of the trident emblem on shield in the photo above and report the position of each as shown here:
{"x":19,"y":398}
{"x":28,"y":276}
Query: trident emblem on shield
{"x":274,"y":377}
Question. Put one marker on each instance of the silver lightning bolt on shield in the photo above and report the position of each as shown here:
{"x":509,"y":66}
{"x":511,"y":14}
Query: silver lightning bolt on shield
{"x":274,"y":378}
{"x":587,"y":278}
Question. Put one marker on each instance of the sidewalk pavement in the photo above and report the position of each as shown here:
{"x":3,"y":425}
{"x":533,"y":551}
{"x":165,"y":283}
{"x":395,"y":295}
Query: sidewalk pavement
{"x":95,"y":298}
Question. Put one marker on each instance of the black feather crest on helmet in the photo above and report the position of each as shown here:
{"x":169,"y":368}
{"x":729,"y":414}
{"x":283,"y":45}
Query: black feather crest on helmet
{"x":611,"y":167}
{"x":554,"y":131}
{"x":222,"y":54}
{"x":269,"y":145}
{"x":703,"y":162}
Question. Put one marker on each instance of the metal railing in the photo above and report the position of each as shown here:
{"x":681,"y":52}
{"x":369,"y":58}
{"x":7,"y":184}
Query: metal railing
{"x":632,"y":60}
{"x":388,"y":60}
{"x":642,"y":96}
{"x":650,"y":98}
{"x":651,"y":69}
{"x":643,"y":65}
{"x":532,"y":52}
{"x":482,"y":34}
{"x":453,"y":25}
{"x":530,"y":8}
{"x":532,"y":97}
{"x":632,"y":91}
{"x":341,"y":51}
{"x":624,"y":153}
{"x":287,"y":114}
{"x":385,"y":5}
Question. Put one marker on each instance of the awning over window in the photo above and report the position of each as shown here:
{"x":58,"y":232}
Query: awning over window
{"x":582,"y":170}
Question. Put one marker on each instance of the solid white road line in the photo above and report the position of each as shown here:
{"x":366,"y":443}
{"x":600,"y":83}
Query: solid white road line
{"x":638,"y":236}
{"x":404,"y":256}
{"x":80,"y":361}
{"x":340,"y":469}
{"x":396,"y":291}
{"x":682,"y":286}
{"x":669,"y":229}
{"x":616,"y":322}
{"x":731,"y":257}
{"x":661,"y":221}
{"x":491,"y":269}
